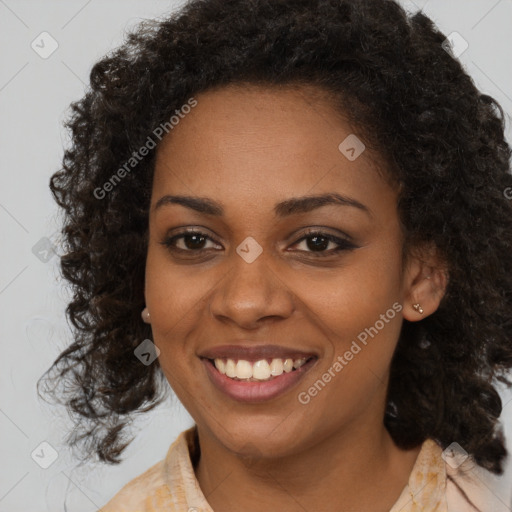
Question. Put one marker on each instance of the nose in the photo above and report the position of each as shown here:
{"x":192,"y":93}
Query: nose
{"x":251,"y":294}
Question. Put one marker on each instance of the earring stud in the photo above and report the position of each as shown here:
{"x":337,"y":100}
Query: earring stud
{"x":145,"y":315}
{"x":418,"y":308}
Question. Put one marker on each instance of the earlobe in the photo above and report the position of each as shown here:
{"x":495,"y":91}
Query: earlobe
{"x":425,"y":296}
{"x":426,"y":283}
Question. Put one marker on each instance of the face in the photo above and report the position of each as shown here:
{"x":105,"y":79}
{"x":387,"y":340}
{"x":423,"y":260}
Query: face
{"x":243,"y":265}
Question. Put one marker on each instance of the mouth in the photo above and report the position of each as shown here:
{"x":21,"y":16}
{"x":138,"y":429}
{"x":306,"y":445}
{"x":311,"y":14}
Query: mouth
{"x":254,"y":377}
{"x":258,"y":371}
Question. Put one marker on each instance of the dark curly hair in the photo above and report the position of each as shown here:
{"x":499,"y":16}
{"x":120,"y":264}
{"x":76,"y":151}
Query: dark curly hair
{"x":387,"y":71}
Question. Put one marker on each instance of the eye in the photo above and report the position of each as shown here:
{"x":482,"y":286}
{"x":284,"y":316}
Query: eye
{"x":188,"y":241}
{"x":318,"y":242}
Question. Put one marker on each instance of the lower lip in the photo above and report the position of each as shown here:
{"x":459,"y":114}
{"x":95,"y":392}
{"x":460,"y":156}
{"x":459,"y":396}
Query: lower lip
{"x":244,"y":391}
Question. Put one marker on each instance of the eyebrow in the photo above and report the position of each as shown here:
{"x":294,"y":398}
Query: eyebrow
{"x":285,"y":208}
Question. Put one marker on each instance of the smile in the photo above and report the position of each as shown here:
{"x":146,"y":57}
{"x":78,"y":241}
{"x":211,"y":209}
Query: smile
{"x":263,"y":369}
{"x":257,"y":381}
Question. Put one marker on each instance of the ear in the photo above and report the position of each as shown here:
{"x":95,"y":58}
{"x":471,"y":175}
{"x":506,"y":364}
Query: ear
{"x":425,"y":281}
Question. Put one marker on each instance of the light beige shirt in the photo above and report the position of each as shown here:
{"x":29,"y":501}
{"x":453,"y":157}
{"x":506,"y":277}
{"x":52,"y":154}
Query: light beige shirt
{"x":171,"y":485}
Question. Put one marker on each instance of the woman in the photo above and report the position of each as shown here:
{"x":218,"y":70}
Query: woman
{"x":296,"y":214}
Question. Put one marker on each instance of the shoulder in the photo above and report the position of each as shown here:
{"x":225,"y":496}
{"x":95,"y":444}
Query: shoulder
{"x":471,"y":488}
{"x":151,"y":491}
{"x":450,"y":481}
{"x":147,"y":492}
{"x":474,"y":489}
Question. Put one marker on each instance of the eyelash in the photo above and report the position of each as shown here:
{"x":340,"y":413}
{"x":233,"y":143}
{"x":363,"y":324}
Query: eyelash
{"x":343,"y":245}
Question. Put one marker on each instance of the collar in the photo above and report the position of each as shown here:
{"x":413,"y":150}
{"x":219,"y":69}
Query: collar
{"x":180,"y":476}
{"x":426,"y":488}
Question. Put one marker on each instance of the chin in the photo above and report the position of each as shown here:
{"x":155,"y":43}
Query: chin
{"x":266,"y":437}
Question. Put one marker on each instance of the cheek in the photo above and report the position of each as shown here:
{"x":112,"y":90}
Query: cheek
{"x":358,"y":309}
{"x":353,"y":298}
{"x":361,"y":326}
{"x":173,"y":293}
{"x":173,"y":299}
{"x":171,"y":302}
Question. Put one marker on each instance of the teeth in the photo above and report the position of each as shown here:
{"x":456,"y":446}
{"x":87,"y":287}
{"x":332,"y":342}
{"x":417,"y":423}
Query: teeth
{"x":276,"y":367}
{"x":288,"y":365}
{"x":260,"y":370}
{"x":299,"y":362}
{"x":243,"y":369}
{"x":230,"y":368}
{"x":221,"y":366}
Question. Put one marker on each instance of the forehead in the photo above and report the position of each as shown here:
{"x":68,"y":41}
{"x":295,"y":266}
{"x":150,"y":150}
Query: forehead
{"x":248,"y":138}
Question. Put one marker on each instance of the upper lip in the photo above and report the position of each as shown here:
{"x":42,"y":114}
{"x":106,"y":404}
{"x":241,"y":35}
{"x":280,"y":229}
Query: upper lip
{"x":254,"y":352}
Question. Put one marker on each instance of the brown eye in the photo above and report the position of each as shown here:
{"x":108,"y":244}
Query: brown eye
{"x":319,"y":243}
{"x":194,"y":241}
{"x":189,"y":241}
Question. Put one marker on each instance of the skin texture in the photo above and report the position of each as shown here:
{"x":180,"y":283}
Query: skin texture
{"x":249,"y":148}
{"x":445,"y":143}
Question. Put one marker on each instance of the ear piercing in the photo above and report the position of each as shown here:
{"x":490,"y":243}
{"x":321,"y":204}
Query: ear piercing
{"x":418,"y":308}
{"x":145,"y":315}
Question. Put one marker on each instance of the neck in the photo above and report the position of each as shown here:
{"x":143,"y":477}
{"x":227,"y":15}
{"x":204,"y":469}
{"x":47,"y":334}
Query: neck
{"x":357,"y":469}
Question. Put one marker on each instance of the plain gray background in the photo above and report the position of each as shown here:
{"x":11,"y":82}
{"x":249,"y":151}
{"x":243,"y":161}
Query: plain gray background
{"x":34,"y":95}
